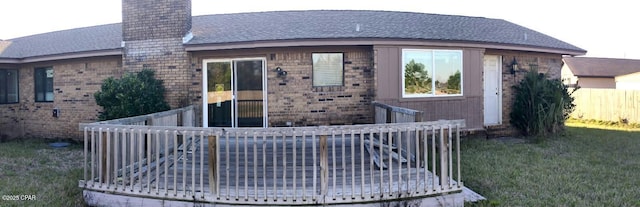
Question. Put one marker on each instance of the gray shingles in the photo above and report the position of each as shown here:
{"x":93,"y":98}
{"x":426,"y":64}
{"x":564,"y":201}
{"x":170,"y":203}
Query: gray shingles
{"x":373,"y":24}
{"x":85,"y":39}
{"x":292,"y":25}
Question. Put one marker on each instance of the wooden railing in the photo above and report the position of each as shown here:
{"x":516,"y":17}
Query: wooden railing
{"x":385,"y":113}
{"x":288,"y":166}
{"x":176,"y":117}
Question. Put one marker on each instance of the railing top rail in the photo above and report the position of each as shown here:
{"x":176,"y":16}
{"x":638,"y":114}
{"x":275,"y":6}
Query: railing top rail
{"x":396,"y":108}
{"x":141,"y":118}
{"x":318,"y":130}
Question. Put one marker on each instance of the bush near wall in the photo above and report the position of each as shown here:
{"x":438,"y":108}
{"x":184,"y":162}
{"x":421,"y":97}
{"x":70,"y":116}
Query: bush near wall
{"x":541,"y":105}
{"x":132,"y":95}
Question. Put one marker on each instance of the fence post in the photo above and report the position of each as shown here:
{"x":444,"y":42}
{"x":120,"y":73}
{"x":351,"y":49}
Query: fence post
{"x":212,"y":164}
{"x":324,"y":167}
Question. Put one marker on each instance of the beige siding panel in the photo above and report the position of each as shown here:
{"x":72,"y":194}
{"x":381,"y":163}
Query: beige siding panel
{"x":387,"y":68}
{"x":468,"y":107}
{"x":586,"y":82}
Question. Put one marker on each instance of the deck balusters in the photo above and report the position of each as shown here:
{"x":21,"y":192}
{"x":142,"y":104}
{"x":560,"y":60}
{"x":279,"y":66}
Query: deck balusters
{"x":413,"y":159}
{"x":255,"y":166}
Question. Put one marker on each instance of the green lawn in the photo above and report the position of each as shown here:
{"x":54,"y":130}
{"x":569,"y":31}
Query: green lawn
{"x":33,"y":170}
{"x":583,"y":167}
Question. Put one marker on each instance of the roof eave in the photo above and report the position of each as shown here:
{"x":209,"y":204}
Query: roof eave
{"x":9,"y":60}
{"x":594,"y":76}
{"x":63,"y":56}
{"x":374,"y":41}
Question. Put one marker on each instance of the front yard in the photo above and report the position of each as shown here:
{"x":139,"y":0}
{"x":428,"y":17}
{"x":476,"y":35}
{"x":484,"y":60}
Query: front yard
{"x":584,"y":167}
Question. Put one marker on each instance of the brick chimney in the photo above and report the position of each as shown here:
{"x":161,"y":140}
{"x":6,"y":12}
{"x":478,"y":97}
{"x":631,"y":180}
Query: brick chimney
{"x":153,"y":33}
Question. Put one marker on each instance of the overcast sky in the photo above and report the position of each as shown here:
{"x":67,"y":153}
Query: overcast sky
{"x":604,"y":28}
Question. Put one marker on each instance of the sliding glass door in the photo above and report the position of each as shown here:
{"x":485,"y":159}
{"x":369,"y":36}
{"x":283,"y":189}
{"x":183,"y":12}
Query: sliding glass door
{"x":235,"y":93}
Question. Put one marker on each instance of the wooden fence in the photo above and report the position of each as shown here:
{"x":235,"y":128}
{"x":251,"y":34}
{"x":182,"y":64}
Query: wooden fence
{"x":607,"y":105}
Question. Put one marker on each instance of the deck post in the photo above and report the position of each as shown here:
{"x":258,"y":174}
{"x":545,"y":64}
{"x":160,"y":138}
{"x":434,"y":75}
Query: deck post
{"x":324,"y":167}
{"x":444,"y":157}
{"x":103,"y":157}
{"x":212,"y":164}
{"x":420,"y":152}
{"x":179,"y":119}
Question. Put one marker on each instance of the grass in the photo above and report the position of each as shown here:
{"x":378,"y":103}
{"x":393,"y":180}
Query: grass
{"x":32,"y":167}
{"x":582,"y":167}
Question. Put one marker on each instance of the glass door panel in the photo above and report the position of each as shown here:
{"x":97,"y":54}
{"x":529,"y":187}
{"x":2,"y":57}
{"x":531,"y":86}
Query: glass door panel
{"x":249,"y":93}
{"x":219,"y":94}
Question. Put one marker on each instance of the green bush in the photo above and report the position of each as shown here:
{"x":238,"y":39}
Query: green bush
{"x":541,"y":105}
{"x":132,"y":95}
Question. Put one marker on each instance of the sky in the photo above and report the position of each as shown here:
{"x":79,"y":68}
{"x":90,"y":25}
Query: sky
{"x":603,"y":28}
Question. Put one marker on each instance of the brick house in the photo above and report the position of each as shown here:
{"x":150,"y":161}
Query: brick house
{"x":268,"y":69}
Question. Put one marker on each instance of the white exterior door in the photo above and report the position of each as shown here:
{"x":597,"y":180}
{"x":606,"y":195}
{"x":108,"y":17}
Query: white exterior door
{"x":492,"y":90}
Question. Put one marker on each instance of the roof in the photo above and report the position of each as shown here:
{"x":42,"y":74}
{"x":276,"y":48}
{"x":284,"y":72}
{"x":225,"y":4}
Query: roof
{"x":102,"y":37}
{"x":300,"y":25}
{"x":601,"y":67}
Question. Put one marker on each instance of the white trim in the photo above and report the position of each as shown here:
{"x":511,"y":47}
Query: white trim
{"x":232,"y":61}
{"x":432,"y":73}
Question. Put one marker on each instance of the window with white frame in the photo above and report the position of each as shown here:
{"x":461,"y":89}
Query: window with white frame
{"x":431,"y":73}
{"x":328,"y":69}
{"x":44,"y":84}
{"x":8,"y":86}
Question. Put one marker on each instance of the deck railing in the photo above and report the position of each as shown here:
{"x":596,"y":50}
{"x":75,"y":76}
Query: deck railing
{"x":289,"y":166}
{"x":385,"y":113}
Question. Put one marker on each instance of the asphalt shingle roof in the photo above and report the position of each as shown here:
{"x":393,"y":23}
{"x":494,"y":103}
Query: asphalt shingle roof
{"x":102,"y":37}
{"x":299,"y":25}
{"x":601,"y":67}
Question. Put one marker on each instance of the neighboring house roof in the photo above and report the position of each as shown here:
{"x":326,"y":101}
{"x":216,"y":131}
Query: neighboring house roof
{"x":300,"y":25}
{"x":601,"y":67}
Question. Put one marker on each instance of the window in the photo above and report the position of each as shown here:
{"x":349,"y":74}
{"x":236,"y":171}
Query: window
{"x":328,"y":69}
{"x":8,"y":86}
{"x":429,"y":73}
{"x":44,"y":84}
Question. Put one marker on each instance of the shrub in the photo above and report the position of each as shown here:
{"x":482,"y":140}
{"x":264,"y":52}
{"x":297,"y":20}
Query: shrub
{"x":541,"y":105}
{"x":132,"y":95}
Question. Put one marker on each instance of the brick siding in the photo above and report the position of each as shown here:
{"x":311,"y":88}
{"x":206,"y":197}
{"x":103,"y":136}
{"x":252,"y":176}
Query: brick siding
{"x":74,"y":83}
{"x":152,"y":32}
{"x":293,"y":98}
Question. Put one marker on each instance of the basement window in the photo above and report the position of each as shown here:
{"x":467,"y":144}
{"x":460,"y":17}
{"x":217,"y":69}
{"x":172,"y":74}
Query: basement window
{"x":8,"y":86}
{"x":328,"y":69}
{"x":44,"y":84}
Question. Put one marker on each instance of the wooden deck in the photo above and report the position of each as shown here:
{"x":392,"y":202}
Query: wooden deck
{"x":275,"y":169}
{"x":160,"y":156}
